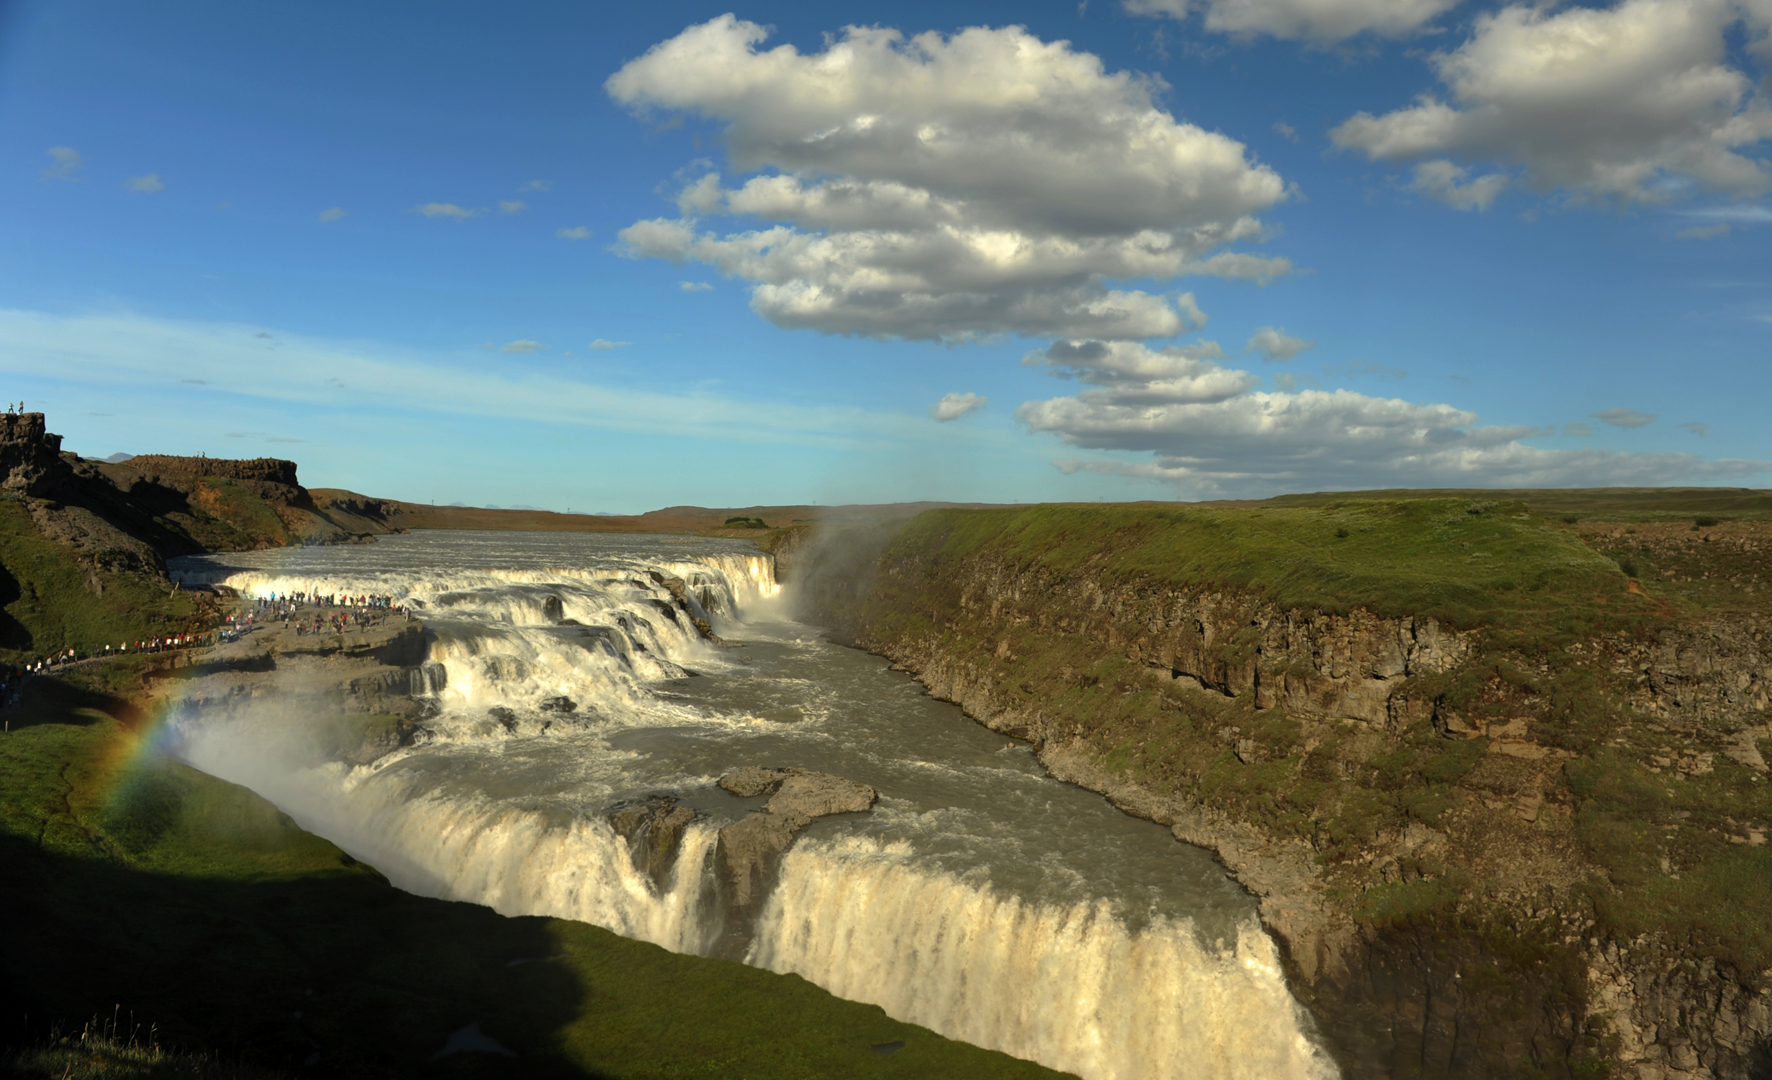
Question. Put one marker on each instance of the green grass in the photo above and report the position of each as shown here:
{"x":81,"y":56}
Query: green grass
{"x":139,"y":885}
{"x":1609,"y":504}
{"x":49,"y":601}
{"x":1664,"y":841}
{"x":223,"y":515}
{"x":1468,"y":563}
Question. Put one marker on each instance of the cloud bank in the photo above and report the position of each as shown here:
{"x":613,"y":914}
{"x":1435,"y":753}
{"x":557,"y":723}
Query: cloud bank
{"x":1318,"y":21}
{"x":946,"y":187}
{"x":1632,"y":104}
{"x":1210,"y":431}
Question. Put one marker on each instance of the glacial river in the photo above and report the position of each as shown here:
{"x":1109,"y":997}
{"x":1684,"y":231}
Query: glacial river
{"x":980,"y":897}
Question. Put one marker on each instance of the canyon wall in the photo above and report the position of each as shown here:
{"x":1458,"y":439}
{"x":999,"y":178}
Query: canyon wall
{"x":1404,"y":797}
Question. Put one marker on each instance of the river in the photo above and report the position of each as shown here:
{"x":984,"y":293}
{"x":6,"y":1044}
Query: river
{"x":980,"y":897}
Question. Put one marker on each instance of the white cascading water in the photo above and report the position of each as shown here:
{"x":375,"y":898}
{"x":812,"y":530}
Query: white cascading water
{"x":1069,"y":986}
{"x":980,"y":898}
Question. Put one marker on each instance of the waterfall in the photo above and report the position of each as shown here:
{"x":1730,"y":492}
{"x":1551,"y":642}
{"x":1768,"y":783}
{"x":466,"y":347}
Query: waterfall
{"x":506,"y":805}
{"x":1069,"y":986}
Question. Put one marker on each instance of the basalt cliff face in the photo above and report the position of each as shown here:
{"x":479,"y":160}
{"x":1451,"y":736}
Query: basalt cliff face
{"x":1420,"y":812}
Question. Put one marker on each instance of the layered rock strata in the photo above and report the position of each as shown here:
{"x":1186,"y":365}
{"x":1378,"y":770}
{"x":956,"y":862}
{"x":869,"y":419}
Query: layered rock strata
{"x":1532,"y":989}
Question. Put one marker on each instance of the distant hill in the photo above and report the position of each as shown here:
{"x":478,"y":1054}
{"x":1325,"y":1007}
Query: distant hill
{"x":394,"y":514}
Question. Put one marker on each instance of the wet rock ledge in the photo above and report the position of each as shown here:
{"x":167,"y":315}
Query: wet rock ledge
{"x":748,"y":849}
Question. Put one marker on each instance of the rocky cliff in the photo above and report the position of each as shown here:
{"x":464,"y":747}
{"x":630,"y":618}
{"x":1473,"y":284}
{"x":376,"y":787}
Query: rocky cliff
{"x":1485,"y":853}
{"x":30,"y":457}
{"x":131,"y":516}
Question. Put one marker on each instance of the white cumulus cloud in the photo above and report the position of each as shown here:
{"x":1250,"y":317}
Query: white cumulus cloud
{"x":535,"y":185}
{"x":1633,"y":103}
{"x":512,"y":206}
{"x":695,"y":286}
{"x":147,"y":184}
{"x":946,"y":187}
{"x":1276,"y":345}
{"x":1209,"y":431}
{"x":576,"y":232}
{"x":64,"y":164}
{"x":446,"y":210}
{"x":1320,"y":21}
{"x":953,"y":406}
{"x":333,"y":214}
{"x":605,"y":343}
{"x":1441,"y":179}
{"x":522,"y":345}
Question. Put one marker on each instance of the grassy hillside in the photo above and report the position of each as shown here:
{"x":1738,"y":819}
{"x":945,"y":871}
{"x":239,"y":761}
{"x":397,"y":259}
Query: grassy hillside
{"x":1609,"y":504}
{"x":138,"y":886}
{"x":50,"y":600}
{"x":393,"y":513}
{"x":1465,"y":562}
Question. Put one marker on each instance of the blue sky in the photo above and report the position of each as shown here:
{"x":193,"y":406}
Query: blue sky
{"x":613,"y":259}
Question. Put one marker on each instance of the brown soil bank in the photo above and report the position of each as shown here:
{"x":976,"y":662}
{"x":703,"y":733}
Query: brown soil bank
{"x":1504,"y":805}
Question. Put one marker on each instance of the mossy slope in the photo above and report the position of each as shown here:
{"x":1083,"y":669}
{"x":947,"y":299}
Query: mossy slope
{"x":51,"y":600}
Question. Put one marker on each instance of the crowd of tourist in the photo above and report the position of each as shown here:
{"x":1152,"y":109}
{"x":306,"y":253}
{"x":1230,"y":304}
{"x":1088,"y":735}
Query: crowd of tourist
{"x":334,"y":613}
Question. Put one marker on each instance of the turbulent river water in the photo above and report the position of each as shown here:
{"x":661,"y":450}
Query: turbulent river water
{"x":980,"y":897}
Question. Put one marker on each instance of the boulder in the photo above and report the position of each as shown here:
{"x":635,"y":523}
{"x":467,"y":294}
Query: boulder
{"x":653,"y":828}
{"x":749,"y":848}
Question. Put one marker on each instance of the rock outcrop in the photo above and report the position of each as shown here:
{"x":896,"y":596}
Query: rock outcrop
{"x":653,"y":828}
{"x":257,"y":470}
{"x":30,"y":458}
{"x":679,"y":590}
{"x":291,"y":682}
{"x":749,"y":848}
{"x":130,"y":516}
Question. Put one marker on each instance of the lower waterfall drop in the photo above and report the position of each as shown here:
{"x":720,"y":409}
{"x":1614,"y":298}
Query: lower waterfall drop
{"x":1068,"y":986}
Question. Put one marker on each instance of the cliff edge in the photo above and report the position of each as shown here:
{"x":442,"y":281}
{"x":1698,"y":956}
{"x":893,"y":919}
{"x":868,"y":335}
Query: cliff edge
{"x":1503,"y":803}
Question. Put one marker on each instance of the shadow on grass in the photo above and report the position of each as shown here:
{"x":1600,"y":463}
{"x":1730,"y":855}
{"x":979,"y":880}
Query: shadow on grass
{"x":52,"y":700}
{"x":339,"y":972}
{"x":139,"y":888}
